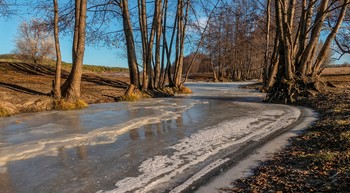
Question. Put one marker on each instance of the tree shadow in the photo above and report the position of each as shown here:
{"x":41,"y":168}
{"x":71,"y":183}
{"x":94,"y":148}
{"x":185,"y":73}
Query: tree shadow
{"x":32,"y":69}
{"x":104,"y":81}
{"x":36,"y":69}
{"x":22,"y":89}
{"x":112,"y":97}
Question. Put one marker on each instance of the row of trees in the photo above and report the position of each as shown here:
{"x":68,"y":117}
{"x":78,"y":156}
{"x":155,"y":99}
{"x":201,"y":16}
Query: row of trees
{"x":278,"y":41}
{"x":160,"y":35}
{"x":286,"y":43}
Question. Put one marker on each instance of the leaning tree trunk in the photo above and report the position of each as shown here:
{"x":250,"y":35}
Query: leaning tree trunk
{"x":130,"y":45}
{"x":71,"y":88}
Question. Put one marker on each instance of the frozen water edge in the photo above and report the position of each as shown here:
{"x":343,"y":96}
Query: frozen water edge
{"x":158,"y":173}
{"x":243,"y":168}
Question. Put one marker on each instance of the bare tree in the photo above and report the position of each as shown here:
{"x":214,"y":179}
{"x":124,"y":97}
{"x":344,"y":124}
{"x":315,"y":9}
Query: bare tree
{"x":33,"y":41}
{"x":299,"y":64}
{"x":6,"y":8}
{"x":234,"y":41}
{"x":201,"y":40}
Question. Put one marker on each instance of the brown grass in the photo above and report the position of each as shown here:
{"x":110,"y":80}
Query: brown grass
{"x":65,"y":105}
{"x":4,"y":112}
{"x":28,"y":90}
{"x":336,"y":71}
{"x":130,"y":98}
{"x":184,"y":90}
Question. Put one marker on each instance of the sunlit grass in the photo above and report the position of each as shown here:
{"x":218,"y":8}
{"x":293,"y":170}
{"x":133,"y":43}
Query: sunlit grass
{"x":345,"y":136}
{"x":184,"y":90}
{"x":343,"y":122}
{"x":4,"y":112}
{"x":65,"y":65}
{"x":65,"y":105}
{"x":131,"y":97}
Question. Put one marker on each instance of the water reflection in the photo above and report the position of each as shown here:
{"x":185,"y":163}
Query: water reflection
{"x":134,"y":134}
{"x":6,"y":185}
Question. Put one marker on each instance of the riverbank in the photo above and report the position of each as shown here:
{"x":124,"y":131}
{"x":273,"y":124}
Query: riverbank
{"x":26,"y":87}
{"x":318,"y":160}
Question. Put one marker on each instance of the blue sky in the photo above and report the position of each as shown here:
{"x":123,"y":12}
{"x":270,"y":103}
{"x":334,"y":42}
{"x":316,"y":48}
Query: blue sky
{"x":104,"y":56}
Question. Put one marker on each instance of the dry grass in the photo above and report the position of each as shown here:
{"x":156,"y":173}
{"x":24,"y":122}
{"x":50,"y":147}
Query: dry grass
{"x":26,"y":90}
{"x":65,"y":105}
{"x":130,"y":98}
{"x":4,"y":112}
{"x":336,"y":71}
{"x":184,"y":90}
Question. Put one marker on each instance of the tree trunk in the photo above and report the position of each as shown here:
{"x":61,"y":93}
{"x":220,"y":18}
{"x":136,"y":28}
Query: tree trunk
{"x":72,"y":90}
{"x":163,"y":71}
{"x":157,"y":76}
{"x":128,"y":32}
{"x":144,"y":39}
{"x":265,"y":71}
{"x":57,"y":82}
{"x":149,"y":55}
{"x":181,"y":42}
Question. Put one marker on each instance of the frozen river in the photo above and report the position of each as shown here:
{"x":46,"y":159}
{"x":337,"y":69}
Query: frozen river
{"x":154,"y":145}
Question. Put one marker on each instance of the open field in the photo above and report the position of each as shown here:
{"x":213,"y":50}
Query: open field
{"x":338,"y":76}
{"x":336,"y":71}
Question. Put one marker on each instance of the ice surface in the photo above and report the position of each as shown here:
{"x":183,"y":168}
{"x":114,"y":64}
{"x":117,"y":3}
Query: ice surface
{"x":145,"y":146}
{"x":160,"y":169}
{"x":99,"y":136}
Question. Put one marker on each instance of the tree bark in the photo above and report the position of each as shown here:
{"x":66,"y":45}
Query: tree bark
{"x":265,"y":71}
{"x":144,"y":39}
{"x":71,"y":91}
{"x":57,"y":82}
{"x":180,"y":41}
{"x":130,"y":44}
{"x":157,"y":76}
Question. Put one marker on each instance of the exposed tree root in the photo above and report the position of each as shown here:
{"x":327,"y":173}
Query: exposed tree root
{"x":289,"y":91}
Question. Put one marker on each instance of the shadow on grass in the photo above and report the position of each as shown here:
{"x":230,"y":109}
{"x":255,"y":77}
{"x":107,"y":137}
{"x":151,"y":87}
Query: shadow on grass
{"x":22,"y":89}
